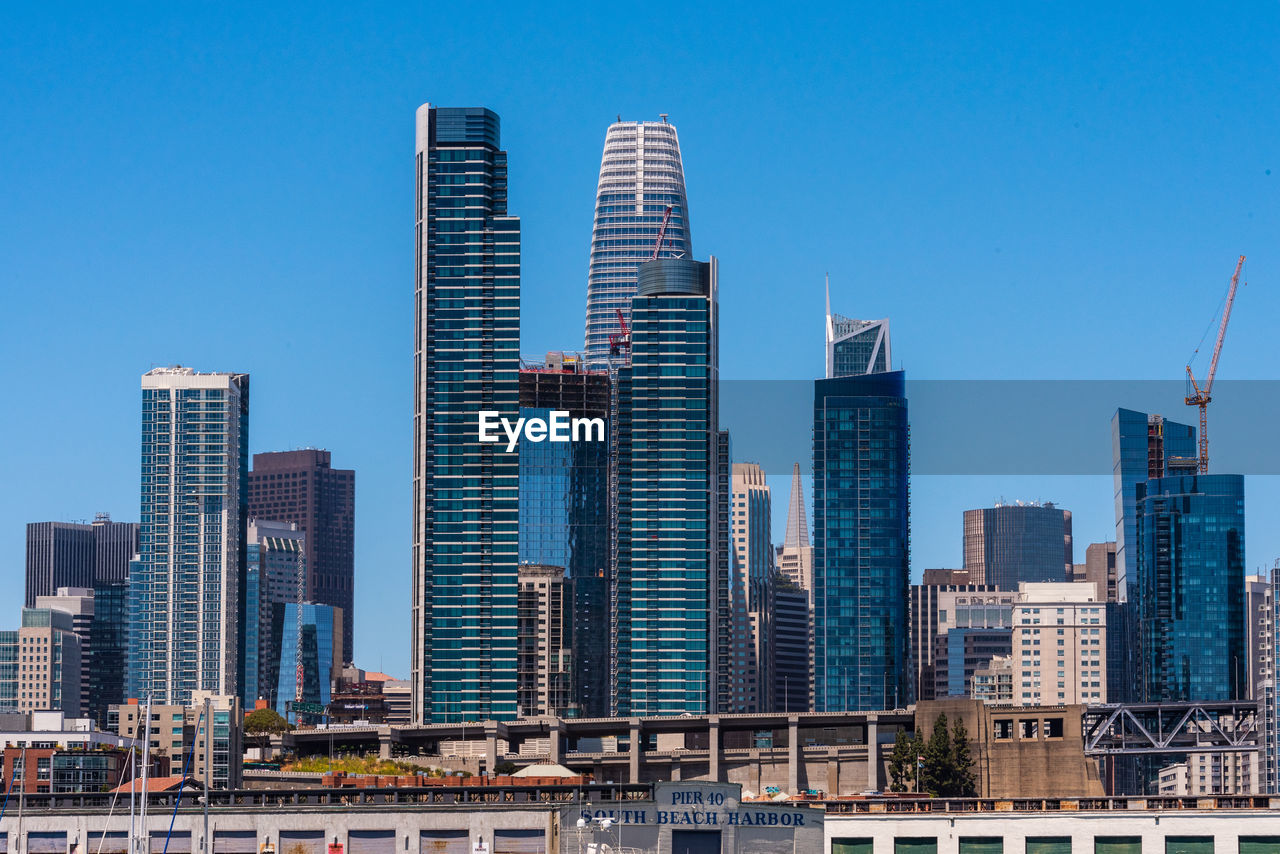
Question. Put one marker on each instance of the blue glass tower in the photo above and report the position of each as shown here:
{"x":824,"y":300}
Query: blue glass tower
{"x":1190,"y":567}
{"x":321,"y":651}
{"x":466,"y":360}
{"x":564,"y":513}
{"x":670,"y":564}
{"x":861,"y":578}
{"x":1143,"y":446}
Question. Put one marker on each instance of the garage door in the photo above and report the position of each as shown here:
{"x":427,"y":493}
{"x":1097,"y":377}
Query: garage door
{"x":302,"y":842}
{"x":766,"y":840}
{"x":235,"y":842}
{"x":47,"y":842}
{"x":111,"y":842}
{"x":519,"y":842}
{"x":371,"y":842}
{"x":178,"y":843}
{"x":445,"y":842}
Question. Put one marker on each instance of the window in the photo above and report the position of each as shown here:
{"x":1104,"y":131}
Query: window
{"x":851,"y":846}
{"x":1030,"y":729}
{"x":915,"y":845}
{"x":1003,"y":729}
{"x":1053,"y":727}
{"x":1259,"y":844}
{"x":1048,"y":845}
{"x":1189,"y":845}
{"x":981,"y":845}
{"x":1117,"y":845}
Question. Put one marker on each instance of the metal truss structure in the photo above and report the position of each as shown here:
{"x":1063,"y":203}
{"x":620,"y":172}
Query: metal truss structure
{"x":1154,"y":728}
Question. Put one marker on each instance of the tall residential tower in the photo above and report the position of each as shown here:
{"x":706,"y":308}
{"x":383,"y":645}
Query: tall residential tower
{"x":466,"y":360}
{"x":640,"y":177}
{"x":186,"y":615}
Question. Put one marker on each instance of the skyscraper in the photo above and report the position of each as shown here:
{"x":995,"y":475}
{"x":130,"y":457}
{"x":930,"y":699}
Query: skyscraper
{"x":795,"y":558}
{"x":271,"y":578}
{"x":671,"y":608}
{"x":302,"y":487}
{"x":1099,"y":569}
{"x":1059,"y":645}
{"x":936,"y":609}
{"x":321,"y":640}
{"x":640,"y":177}
{"x":1009,"y":544}
{"x":1143,"y":446}
{"x":466,"y":360}
{"x":856,"y":347}
{"x":861,"y":542}
{"x":1190,"y":566}
{"x":70,"y":554}
{"x":564,"y":516}
{"x":186,"y":621}
{"x":750,"y":510}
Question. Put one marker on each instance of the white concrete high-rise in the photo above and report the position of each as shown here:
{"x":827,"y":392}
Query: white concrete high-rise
{"x":641,"y":175}
{"x":186,"y":633}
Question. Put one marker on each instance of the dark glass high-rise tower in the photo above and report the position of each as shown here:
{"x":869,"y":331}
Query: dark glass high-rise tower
{"x":1008,"y":544}
{"x":466,"y":360}
{"x":1143,"y":447}
{"x":861,"y":534}
{"x":1190,"y":568}
{"x":641,"y":175}
{"x":672,"y":562}
{"x":71,"y":554}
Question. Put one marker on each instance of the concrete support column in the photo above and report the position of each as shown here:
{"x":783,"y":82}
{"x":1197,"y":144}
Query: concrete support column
{"x":873,"y":755}
{"x":793,"y":755}
{"x":635,"y":750}
{"x":490,"y":747}
{"x":384,"y":745}
{"x":713,"y":747}
{"x":557,"y":741}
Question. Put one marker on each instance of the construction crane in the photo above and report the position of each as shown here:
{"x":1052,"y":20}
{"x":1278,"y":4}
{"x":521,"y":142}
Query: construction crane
{"x":662,"y":232}
{"x":300,"y":671}
{"x":1198,"y":396}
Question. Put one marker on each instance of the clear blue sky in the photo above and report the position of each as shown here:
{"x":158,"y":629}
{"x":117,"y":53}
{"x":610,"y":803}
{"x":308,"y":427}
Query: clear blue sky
{"x":1049,"y":192}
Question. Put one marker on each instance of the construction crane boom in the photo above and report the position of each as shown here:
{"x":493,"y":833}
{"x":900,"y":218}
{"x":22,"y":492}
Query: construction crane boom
{"x":1201,"y":396}
{"x":662,"y":232}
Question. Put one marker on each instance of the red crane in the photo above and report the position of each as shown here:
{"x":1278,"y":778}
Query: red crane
{"x":619,"y":341}
{"x":1201,"y":396}
{"x":662,"y":232}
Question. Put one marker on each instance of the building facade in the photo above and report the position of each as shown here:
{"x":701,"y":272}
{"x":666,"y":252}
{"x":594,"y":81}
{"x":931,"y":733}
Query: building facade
{"x":273,"y":565}
{"x":565,"y":504}
{"x":108,"y":649}
{"x":466,"y":360}
{"x":672,"y":563}
{"x":641,"y":176}
{"x":792,"y":660}
{"x":40,"y":664}
{"x":70,"y":554}
{"x":78,"y":604}
{"x":187,"y":631}
{"x":861,"y":542}
{"x":546,"y":661}
{"x":302,"y":487}
{"x":1059,"y":645}
{"x":960,"y":653}
{"x":206,"y":735}
{"x":1009,"y":544}
{"x":1099,"y":569}
{"x":1143,"y":446}
{"x":312,"y":639}
{"x":1190,"y":567}
{"x":750,"y":510}
{"x":993,"y":682}
{"x":936,"y":609}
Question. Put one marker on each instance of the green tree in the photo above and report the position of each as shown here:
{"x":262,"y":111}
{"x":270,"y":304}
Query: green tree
{"x":504,"y":768}
{"x":902,"y":763}
{"x":937,"y":759}
{"x":963,"y":784}
{"x":265,"y":722}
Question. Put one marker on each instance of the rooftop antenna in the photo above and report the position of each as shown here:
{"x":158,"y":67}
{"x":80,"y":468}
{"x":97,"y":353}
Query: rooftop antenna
{"x":663,"y":116}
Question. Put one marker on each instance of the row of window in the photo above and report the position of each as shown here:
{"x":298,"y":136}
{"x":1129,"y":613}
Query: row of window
{"x":1059,"y":845}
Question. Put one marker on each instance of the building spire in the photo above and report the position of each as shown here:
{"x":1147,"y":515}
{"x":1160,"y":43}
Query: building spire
{"x":797,"y":524}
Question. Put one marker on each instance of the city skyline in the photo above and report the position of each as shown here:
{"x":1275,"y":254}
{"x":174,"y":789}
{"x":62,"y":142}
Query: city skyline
{"x":288,"y":370}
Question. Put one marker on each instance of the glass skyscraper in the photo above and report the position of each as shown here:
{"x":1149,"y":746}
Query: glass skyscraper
{"x":861,"y":539}
{"x":564,"y":514}
{"x":321,"y":653}
{"x":1143,"y":446}
{"x":187,"y":627}
{"x":641,"y":175}
{"x":670,"y":611}
{"x":1008,"y":544}
{"x":1190,"y":567}
{"x":466,"y":359}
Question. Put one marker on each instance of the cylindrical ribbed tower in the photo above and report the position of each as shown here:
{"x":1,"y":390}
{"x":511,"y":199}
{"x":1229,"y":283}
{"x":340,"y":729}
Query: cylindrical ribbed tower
{"x":640,"y":176}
